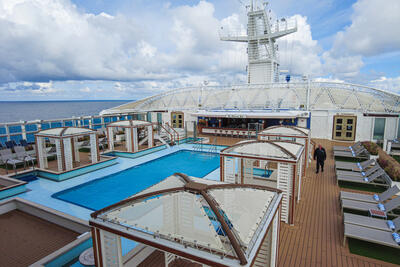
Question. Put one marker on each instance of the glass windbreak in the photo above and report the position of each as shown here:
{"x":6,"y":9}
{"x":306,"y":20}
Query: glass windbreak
{"x":379,"y":128}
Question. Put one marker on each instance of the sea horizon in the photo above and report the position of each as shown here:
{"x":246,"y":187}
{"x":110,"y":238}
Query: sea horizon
{"x":28,"y":110}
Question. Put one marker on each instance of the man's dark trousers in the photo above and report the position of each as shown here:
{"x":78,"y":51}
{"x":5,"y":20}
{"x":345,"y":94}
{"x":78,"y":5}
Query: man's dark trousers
{"x":320,"y":163}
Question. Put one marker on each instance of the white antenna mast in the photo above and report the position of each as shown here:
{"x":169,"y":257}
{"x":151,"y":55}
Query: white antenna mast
{"x":263,"y":65}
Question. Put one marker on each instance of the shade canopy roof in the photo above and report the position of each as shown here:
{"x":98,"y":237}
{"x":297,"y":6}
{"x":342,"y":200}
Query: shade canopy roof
{"x":286,"y":130}
{"x":222,"y":222}
{"x":282,"y":150}
{"x":316,"y":95}
{"x":130,"y":123}
{"x":65,"y":131}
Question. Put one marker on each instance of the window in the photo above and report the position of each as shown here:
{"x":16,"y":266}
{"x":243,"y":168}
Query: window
{"x":344,"y":127}
{"x":379,"y":128}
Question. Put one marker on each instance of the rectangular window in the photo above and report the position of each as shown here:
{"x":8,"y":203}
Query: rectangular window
{"x":379,"y":128}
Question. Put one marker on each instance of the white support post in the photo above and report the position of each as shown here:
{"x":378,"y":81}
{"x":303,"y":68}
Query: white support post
{"x":300,"y":173}
{"x":76,"y":149}
{"x":23,"y":130}
{"x":59,"y":157}
{"x":68,"y":154}
{"x":135,"y":139}
{"x":229,"y":170}
{"x":41,"y":149}
{"x":285,"y":184}
{"x":169,"y":257}
{"x":110,"y":138}
{"x":111,"y":249}
{"x":128,"y":139}
{"x":150,"y":136}
{"x":93,"y":148}
{"x":275,"y":238}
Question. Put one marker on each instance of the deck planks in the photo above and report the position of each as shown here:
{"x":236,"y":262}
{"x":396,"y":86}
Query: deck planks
{"x":316,"y":239}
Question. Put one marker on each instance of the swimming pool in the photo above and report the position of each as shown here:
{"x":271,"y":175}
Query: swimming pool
{"x":110,"y":189}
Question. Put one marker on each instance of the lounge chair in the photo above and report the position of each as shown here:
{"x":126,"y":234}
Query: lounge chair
{"x":85,"y":144}
{"x":370,"y":222}
{"x":6,"y":157}
{"x":379,"y":177}
{"x":10,"y":144}
{"x":377,"y":198}
{"x":23,"y":142}
{"x":388,"y":207}
{"x":362,"y":174}
{"x":370,"y":235}
{"x":352,"y":166}
{"x":23,"y":155}
{"x":347,"y":148}
{"x":51,"y":152}
{"x":360,"y":153}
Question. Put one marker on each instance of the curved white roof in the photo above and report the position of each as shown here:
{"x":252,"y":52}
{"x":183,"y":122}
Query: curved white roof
{"x":65,"y":131}
{"x":174,"y":210}
{"x":130,"y":123}
{"x":286,"y":130}
{"x":274,"y":96}
{"x":266,"y":149}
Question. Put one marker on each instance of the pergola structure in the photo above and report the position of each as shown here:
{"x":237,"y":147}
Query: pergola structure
{"x":67,"y":149}
{"x":130,"y":128}
{"x":296,"y":134}
{"x":275,"y":164}
{"x":203,"y":221}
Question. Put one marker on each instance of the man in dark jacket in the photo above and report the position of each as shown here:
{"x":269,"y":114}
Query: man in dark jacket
{"x":320,"y":156}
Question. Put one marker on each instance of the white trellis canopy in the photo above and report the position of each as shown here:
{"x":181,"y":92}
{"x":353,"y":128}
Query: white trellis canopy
{"x":67,"y":150}
{"x":131,"y":134}
{"x":296,"y":134}
{"x":276,"y":164}
{"x":219,"y":222}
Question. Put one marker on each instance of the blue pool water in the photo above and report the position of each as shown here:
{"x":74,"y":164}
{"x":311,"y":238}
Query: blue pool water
{"x":110,"y":189}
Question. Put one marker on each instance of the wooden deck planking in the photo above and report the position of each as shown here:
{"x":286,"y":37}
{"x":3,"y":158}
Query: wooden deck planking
{"x":316,"y":239}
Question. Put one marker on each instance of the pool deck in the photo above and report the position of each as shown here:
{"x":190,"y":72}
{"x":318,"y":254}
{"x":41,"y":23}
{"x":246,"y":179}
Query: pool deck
{"x":316,"y":239}
{"x":26,"y":239}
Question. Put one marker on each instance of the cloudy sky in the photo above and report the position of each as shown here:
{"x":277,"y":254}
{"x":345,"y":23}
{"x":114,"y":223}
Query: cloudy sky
{"x":128,"y":49}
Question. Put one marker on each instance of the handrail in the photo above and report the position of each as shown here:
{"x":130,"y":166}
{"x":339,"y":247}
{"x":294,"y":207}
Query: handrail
{"x":173,"y":131}
{"x":168,"y":132}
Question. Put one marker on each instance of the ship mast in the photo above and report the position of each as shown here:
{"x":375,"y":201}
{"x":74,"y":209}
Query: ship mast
{"x":263,"y":64}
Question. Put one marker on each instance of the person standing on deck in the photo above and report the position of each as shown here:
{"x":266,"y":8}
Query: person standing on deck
{"x":320,"y":156}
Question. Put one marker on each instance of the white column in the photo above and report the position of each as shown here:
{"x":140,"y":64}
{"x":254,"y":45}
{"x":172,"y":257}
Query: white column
{"x":68,"y":154}
{"x":23,"y":130}
{"x":247,"y":170}
{"x":300,"y":174}
{"x":110,"y":138}
{"x":285,"y":180}
{"x":111,"y":249}
{"x":128,"y":139}
{"x":229,"y":170}
{"x":275,"y":238}
{"x":150,"y":135}
{"x":93,"y":148}
{"x":76,"y":150}
{"x":135,"y":140}
{"x":59,"y":157}
{"x":41,"y":149}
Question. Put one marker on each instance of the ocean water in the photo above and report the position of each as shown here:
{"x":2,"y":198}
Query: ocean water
{"x":14,"y":111}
